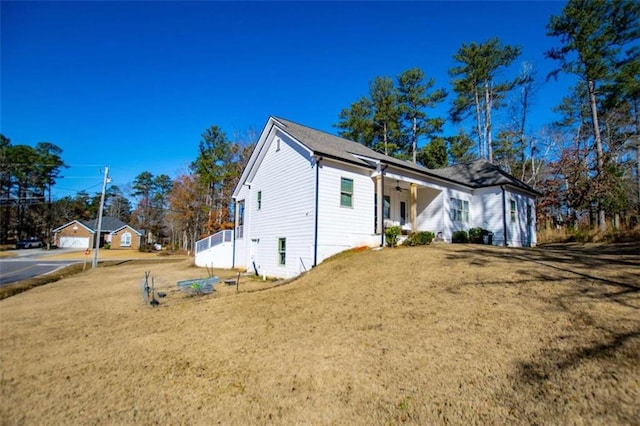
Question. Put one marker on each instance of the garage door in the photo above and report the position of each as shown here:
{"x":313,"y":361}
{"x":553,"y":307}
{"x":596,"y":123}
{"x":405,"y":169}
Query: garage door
{"x":74,"y":242}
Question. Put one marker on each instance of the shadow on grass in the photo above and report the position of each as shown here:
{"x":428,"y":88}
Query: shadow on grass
{"x":594,"y":347}
{"x":615,"y":266}
{"x":560,"y":379}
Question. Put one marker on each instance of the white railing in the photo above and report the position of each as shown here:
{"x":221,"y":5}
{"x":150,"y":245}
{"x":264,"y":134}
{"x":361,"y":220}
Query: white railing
{"x":214,"y":240}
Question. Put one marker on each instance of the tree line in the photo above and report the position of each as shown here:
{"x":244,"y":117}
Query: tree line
{"x":176,"y":211}
{"x":585,"y":164}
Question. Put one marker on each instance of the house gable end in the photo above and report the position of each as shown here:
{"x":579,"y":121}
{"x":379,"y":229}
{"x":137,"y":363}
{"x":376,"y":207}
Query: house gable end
{"x":127,"y":227}
{"x":74,"y":222}
{"x":271,"y":132}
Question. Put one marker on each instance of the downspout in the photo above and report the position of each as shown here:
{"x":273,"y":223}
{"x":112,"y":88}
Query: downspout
{"x":235,"y":215}
{"x":382,"y":169}
{"x":315,"y":230}
{"x":504,"y":215}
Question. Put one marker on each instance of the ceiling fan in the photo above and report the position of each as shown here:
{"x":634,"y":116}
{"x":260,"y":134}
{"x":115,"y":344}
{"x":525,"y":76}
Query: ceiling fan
{"x":398,"y":188}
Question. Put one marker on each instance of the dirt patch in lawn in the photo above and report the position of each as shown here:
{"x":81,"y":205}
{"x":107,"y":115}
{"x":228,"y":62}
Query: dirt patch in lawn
{"x":424,"y":335}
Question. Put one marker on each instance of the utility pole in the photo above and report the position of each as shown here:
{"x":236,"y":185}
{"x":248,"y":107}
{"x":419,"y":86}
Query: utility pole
{"x":99,"y":230}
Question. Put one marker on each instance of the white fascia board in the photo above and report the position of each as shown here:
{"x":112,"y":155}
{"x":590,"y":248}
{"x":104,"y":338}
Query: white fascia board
{"x":423,"y":180}
{"x":125,"y":226}
{"x":300,"y":144}
{"x":76,"y":221}
{"x":255,"y":154}
{"x":517,"y":190}
{"x":371,"y":161}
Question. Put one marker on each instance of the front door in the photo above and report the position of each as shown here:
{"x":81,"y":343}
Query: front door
{"x":253,"y":255}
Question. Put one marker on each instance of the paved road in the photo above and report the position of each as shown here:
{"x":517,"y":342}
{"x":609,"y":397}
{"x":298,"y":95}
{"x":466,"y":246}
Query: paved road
{"x":14,"y":270}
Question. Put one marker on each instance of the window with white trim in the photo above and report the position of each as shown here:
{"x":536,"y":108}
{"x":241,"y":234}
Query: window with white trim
{"x":125,"y":240}
{"x":514,"y":212}
{"x":282,"y":251}
{"x":240,"y":219}
{"x":346,"y":192}
{"x":459,"y":210}
{"x":386,"y":207}
{"x":259,"y":200}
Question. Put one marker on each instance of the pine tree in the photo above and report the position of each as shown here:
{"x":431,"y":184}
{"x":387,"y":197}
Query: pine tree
{"x":414,"y":97}
{"x":477,"y":89}
{"x":594,"y":34}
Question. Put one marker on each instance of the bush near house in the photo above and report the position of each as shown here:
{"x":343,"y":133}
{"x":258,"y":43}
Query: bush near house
{"x":419,"y":238}
{"x":391,"y":235}
{"x":478,"y":235}
{"x":460,"y":237}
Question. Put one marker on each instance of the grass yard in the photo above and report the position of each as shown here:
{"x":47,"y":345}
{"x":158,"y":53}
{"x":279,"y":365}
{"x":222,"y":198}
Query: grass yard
{"x":441,"y":334}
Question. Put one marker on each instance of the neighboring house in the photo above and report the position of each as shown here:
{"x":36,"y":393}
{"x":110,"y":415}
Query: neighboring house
{"x":306,"y":195}
{"x":113,"y":231}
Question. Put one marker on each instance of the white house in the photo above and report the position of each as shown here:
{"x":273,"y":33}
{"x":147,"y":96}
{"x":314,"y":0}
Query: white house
{"x":306,"y":195}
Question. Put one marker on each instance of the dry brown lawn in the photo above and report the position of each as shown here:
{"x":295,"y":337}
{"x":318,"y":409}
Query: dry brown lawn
{"x":444,"y":334}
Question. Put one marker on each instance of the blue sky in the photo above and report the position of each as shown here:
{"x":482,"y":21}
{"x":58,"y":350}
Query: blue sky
{"x":132,"y":85}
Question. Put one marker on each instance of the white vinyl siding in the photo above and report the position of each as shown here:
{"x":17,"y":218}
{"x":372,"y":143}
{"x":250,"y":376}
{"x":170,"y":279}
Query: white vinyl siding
{"x":287,"y":178}
{"x":341,"y":228}
{"x":489,"y":212}
{"x":521,"y":229}
{"x":486,"y":212}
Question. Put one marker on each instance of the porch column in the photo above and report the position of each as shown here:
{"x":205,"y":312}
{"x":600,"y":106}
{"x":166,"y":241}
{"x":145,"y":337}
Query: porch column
{"x":413,"y":213}
{"x":379,"y":197}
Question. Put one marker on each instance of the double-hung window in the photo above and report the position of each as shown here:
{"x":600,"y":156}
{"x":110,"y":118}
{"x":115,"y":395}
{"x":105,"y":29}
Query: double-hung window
{"x":514,"y":212}
{"x":346,"y":192}
{"x":240,"y":219}
{"x":125,"y":240}
{"x":459,"y":211}
{"x":282,"y":251}
{"x":259,"y":200}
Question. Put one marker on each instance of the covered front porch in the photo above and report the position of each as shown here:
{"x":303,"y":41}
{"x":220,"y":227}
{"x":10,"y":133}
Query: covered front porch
{"x":409,"y":203}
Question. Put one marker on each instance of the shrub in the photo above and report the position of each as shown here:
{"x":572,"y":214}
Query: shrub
{"x":391,"y":235}
{"x":419,"y":238}
{"x":460,"y":237}
{"x":475,"y":235}
{"x":145,"y":248}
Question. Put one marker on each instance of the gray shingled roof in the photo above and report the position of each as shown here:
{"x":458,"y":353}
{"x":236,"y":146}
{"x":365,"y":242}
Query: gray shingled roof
{"x":475,"y":174}
{"x":327,"y":144}
{"x":480,"y":174}
{"x":109,"y":224}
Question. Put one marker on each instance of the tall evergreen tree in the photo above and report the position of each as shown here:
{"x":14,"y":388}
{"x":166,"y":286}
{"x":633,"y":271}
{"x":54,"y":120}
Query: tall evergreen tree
{"x":460,"y":148}
{"x":218,"y":166}
{"x":477,"y":88}
{"x":594,"y":34}
{"x":415,"y":95}
{"x":386,"y":116}
{"x":356,"y":122}
{"x":434,"y":155}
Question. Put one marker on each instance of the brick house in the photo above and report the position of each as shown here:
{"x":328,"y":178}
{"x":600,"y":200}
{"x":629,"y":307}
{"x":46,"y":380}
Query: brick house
{"x":113,"y":231}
